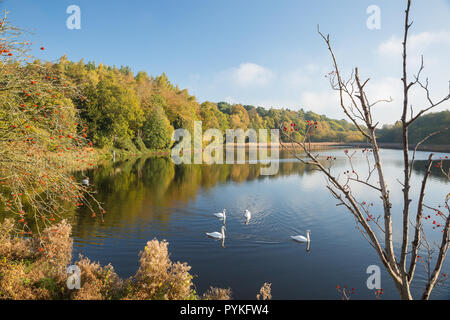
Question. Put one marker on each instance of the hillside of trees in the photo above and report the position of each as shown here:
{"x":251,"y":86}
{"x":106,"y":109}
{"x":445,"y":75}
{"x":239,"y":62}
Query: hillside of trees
{"x":130,"y":111}
{"x":421,"y":128}
{"x":140,"y":112}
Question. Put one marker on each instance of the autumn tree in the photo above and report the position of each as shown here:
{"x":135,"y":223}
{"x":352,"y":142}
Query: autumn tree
{"x":181,"y":108}
{"x":425,"y":125}
{"x":157,"y":130}
{"x":41,"y":137}
{"x":113,"y":111}
{"x":256,"y":121}
{"x":208,"y":115}
{"x":239,"y":117}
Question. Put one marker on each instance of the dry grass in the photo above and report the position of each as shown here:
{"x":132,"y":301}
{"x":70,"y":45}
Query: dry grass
{"x":217,"y":294}
{"x":36,"y":268}
{"x":158,"y":278}
{"x":13,"y":247}
{"x":98,"y":283}
{"x":265,"y":293}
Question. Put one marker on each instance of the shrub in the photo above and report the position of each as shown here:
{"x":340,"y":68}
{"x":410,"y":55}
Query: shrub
{"x":13,"y":247}
{"x":56,"y":247}
{"x":36,"y":268}
{"x":158,"y":278}
{"x":265,"y":293}
{"x":217,"y":294}
{"x":98,"y":283}
{"x":140,"y":145}
{"x":125,"y":143}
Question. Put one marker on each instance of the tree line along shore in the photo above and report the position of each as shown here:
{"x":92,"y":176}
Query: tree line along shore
{"x":135,"y":113}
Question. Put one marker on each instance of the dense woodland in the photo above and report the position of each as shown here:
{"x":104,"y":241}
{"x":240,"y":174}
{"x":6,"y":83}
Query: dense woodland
{"x":130,"y":111}
{"x":136,"y":112}
{"x":139,"y":112}
{"x":421,"y":128}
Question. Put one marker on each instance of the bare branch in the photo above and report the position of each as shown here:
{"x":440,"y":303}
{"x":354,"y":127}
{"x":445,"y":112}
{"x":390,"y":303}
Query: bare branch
{"x":416,"y":241}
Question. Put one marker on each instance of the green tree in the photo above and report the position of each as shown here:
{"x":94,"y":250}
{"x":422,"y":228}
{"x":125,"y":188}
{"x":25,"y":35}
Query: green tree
{"x":41,"y":136}
{"x":114,"y":111}
{"x":157,"y":131}
{"x":208,"y":115}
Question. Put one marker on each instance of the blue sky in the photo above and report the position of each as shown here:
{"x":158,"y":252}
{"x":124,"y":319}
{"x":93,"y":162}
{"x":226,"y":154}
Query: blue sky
{"x":260,"y":52}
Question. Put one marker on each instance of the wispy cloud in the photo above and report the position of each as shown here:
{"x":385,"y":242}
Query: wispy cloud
{"x":299,"y":77}
{"x":417,"y":43}
{"x":322,"y":102}
{"x":249,"y":75}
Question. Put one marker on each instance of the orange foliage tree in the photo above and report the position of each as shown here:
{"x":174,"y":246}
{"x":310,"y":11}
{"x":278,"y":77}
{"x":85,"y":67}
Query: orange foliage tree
{"x":41,"y":137}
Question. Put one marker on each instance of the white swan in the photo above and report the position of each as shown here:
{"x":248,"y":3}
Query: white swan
{"x":217,"y":235}
{"x":247,"y":216}
{"x":222,"y":215}
{"x":302,"y":238}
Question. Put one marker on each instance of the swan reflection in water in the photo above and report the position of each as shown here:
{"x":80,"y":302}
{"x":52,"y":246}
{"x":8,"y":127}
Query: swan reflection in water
{"x":218,"y":235}
{"x":222,"y":215}
{"x":303,"y":239}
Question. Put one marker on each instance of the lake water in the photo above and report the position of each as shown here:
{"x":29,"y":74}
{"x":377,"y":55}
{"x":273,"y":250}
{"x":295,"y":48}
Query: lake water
{"x":153,"y":198}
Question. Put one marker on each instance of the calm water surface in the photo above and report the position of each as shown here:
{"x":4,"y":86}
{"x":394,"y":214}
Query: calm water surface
{"x":153,"y":198}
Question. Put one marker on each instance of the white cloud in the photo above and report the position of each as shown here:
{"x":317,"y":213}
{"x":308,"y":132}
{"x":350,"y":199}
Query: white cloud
{"x":230,"y":100}
{"x":300,"y":77}
{"x":324,"y":102}
{"x":416,"y":43}
{"x":276,"y":103}
{"x":296,"y":78}
{"x":250,"y":75}
{"x":328,"y":102}
{"x":384,"y":89}
{"x":312,"y":68}
{"x":304,"y":87}
{"x":434,"y":47}
{"x":391,"y":47}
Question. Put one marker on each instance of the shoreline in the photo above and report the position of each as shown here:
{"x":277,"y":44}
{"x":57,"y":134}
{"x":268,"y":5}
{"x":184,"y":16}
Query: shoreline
{"x":383,"y":145}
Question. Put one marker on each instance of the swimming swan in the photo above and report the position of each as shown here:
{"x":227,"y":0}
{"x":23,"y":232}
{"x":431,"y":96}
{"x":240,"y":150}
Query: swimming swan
{"x":302,"y":238}
{"x":222,"y":215}
{"x":217,"y":235}
{"x":247,"y":216}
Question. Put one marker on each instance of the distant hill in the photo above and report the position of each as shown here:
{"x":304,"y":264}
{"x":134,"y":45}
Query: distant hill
{"x":422,"y":127}
{"x":133,"y":111}
{"x":124,"y":109}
